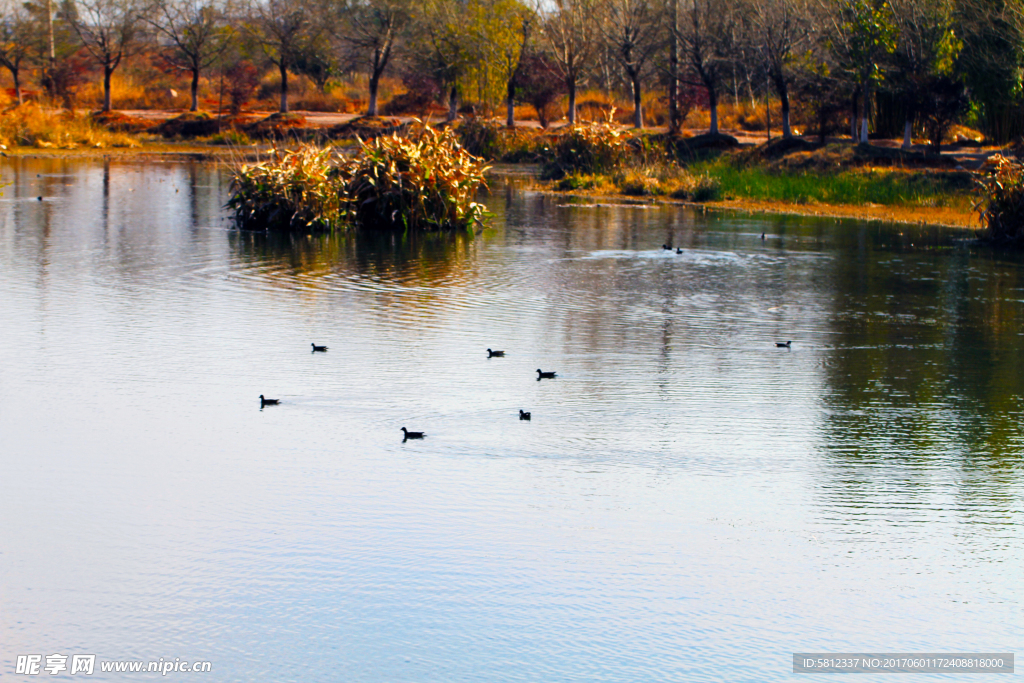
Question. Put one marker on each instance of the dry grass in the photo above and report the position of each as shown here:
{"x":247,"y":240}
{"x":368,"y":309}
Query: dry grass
{"x":130,"y":91}
{"x":737,"y":116}
{"x":31,"y":126}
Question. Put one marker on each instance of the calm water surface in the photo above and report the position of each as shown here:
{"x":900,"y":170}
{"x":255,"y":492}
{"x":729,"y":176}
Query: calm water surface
{"x":689,"y":502}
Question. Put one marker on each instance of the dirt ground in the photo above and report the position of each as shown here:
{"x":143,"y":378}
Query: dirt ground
{"x":970,"y":158}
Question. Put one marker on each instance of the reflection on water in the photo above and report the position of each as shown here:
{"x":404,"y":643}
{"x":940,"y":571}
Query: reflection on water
{"x":688,"y":502}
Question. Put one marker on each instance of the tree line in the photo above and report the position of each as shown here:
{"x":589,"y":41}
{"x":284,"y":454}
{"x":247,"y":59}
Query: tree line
{"x":923,"y":64}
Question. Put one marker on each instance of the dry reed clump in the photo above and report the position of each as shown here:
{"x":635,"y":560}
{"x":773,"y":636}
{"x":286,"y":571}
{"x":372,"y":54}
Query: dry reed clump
{"x":425,"y":181}
{"x":29,"y":125}
{"x":292,"y":190}
{"x":1001,"y":206}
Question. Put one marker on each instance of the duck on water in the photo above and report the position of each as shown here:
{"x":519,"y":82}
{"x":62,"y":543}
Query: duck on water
{"x":411,"y":435}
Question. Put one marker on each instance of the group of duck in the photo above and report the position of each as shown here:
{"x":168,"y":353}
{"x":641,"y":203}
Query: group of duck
{"x":491,"y":353}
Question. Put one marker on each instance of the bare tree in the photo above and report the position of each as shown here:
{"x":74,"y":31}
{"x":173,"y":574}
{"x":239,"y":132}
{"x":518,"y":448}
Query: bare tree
{"x":375,"y":27}
{"x":630,"y":30}
{"x":17,"y":41}
{"x":440,"y":47}
{"x":707,"y":34}
{"x":568,"y":32}
{"x":282,"y":28}
{"x":195,"y":33}
{"x":781,"y":27}
{"x":109,"y":30}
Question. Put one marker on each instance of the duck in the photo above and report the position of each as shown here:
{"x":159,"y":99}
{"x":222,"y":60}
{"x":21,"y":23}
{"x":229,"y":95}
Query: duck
{"x":411,"y":435}
{"x":268,"y":401}
{"x":318,"y":348}
{"x":495,"y":354}
{"x":523,"y":415}
{"x":667,"y":247}
{"x":762,"y":237}
{"x":783,"y":345}
{"x":544,"y":375}
{"x":679,"y":250}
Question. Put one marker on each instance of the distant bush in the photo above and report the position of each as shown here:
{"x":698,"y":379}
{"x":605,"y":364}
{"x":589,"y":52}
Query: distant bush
{"x":481,"y":138}
{"x":243,"y":78}
{"x":539,"y":84}
{"x":426,"y":181}
{"x":231,"y":137}
{"x":592,"y":148}
{"x":490,"y":140}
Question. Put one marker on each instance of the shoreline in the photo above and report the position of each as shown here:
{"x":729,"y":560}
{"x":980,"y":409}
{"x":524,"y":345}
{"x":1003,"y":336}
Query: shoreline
{"x":906,"y":215}
{"x":909,"y":215}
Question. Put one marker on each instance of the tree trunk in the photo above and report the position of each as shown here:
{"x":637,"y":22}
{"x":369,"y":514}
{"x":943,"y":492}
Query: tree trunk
{"x":638,"y":112}
{"x":510,"y":119}
{"x":822,"y":122}
{"x":107,"y":72}
{"x":853,"y":118}
{"x":787,"y":132}
{"x":713,"y":103}
{"x":674,"y":123}
{"x":572,"y":102}
{"x":453,"y":104}
{"x":195,"y":89}
{"x":371,"y":108}
{"x":864,"y":113}
{"x":907,"y":131}
{"x":284,"y":87}
{"x":16,"y":75}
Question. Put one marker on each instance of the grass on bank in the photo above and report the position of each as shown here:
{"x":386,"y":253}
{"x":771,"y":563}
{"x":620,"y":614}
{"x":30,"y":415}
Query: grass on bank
{"x":882,"y":186}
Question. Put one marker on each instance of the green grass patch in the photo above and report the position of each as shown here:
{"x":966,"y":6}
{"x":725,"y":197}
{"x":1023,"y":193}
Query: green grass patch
{"x":847,"y":186}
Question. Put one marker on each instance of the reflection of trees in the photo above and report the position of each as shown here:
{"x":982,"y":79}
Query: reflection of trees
{"x":926,"y":370}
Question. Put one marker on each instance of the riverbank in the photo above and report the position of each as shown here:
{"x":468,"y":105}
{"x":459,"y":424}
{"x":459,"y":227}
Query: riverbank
{"x":959,"y":214}
{"x":838,"y":179}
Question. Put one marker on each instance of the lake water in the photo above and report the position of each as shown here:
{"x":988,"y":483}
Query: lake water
{"x":688,"y":503}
